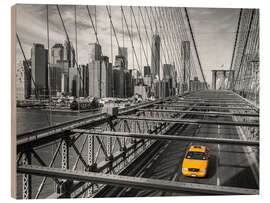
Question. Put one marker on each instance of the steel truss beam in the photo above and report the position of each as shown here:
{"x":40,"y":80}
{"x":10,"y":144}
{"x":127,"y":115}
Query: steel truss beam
{"x":99,"y":168}
{"x":207,"y":107}
{"x":91,"y":120}
{"x":126,"y":181}
{"x":208,"y":100}
{"x":207,"y":103}
{"x":191,"y":121}
{"x":201,"y":112}
{"x":28,"y":140}
{"x":171,"y":137}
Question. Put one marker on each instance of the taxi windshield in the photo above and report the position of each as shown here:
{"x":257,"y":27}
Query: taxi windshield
{"x":196,"y":155}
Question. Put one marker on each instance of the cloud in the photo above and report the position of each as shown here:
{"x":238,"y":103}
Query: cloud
{"x":213,"y":29}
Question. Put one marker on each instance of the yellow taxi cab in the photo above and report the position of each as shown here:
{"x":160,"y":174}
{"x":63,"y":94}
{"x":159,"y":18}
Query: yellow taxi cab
{"x":195,"y":163}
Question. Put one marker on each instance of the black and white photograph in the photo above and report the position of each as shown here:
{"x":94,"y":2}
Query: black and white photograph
{"x":134,"y":101}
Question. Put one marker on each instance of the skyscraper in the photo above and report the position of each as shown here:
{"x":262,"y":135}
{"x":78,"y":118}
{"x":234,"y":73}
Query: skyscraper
{"x":146,"y":71}
{"x":155,"y":60}
{"x":58,"y":80}
{"x":122,"y":51}
{"x":39,"y":58}
{"x":57,"y":54}
{"x":69,"y":54}
{"x":74,"y":82}
{"x":185,"y":53}
{"x":167,"y":71}
{"x":85,"y":85}
{"x":27,"y":78}
{"x":94,"y":52}
{"x":118,"y":82}
{"x":94,"y":79}
{"x":100,"y":74}
{"x":120,"y":62}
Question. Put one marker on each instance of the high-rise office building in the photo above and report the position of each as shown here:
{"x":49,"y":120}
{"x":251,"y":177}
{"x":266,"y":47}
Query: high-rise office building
{"x":146,"y":71}
{"x":169,"y":79}
{"x":74,"y":82}
{"x":58,"y":80}
{"x":185,"y":53}
{"x":57,"y":54}
{"x":174,"y":74}
{"x":110,"y":80}
{"x":120,"y":62}
{"x":94,"y":52}
{"x":122,"y":51}
{"x":118,"y":82}
{"x":39,"y":58}
{"x":167,"y":71}
{"x":105,"y":77}
{"x":27,"y":78}
{"x":100,"y":74}
{"x":23,"y":80}
{"x":94,"y":79}
{"x":69,"y":54}
{"x":155,"y":57}
{"x":127,"y":84}
{"x":63,"y":54}
{"x":85,"y":83}
{"x":147,"y":79}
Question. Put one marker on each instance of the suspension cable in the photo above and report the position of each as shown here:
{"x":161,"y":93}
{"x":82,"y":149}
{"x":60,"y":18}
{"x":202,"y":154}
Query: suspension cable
{"x":173,"y":43}
{"x":66,"y":33}
{"x":235,"y":41}
{"x":49,"y":68}
{"x":115,"y":35}
{"x":138,"y":34}
{"x":131,"y":39}
{"x":196,"y":51}
{"x":245,"y":46}
{"x":27,"y":65}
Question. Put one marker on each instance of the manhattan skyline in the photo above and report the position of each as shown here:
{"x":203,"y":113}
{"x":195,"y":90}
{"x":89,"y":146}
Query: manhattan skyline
{"x":213,"y":29}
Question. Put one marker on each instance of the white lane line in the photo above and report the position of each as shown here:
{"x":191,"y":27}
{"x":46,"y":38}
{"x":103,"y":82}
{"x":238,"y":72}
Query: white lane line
{"x":218,"y":180}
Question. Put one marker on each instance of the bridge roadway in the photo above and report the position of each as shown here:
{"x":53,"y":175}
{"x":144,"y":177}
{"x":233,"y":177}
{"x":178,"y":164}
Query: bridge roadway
{"x":229,"y":165}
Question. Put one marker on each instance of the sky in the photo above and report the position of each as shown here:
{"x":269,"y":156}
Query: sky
{"x":213,"y":28}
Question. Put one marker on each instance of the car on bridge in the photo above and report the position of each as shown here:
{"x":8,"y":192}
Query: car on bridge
{"x":196,"y":160}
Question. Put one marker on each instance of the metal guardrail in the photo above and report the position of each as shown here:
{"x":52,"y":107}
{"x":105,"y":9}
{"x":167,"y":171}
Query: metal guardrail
{"x":170,"y":137}
{"x":207,"y":107}
{"x":69,"y":125}
{"x":192,"y":121}
{"x":126,"y":181}
{"x":202,"y":112}
{"x":77,"y":128}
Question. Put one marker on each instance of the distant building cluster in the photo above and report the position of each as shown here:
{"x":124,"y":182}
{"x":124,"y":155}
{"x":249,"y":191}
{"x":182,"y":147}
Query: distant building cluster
{"x":60,"y":75}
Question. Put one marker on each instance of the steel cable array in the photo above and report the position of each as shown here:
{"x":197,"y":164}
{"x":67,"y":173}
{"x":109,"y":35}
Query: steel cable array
{"x":245,"y":59}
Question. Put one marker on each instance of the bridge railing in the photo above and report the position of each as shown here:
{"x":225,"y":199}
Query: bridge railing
{"x":83,"y":145}
{"x":59,"y":147}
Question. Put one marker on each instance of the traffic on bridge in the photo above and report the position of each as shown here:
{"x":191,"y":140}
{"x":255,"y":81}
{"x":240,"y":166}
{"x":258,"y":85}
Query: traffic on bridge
{"x":137,"y":124}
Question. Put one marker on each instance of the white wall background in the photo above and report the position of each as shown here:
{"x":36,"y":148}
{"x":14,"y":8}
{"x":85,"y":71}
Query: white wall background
{"x":265,"y":73}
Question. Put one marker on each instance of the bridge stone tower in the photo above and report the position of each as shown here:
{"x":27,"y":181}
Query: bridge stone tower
{"x":225,"y":77}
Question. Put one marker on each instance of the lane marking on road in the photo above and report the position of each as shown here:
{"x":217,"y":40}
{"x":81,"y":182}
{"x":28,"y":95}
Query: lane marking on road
{"x":218,"y":180}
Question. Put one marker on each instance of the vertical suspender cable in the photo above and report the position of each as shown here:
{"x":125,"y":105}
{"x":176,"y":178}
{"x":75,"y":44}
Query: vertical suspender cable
{"x":132,"y":38}
{"x":111,"y":52}
{"x":194,"y":43}
{"x":68,"y":39}
{"x":140,"y":39}
{"x":137,"y":61}
{"x":49,"y":68}
{"x":235,"y":42}
{"x":245,"y":46}
{"x":26,"y":62}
